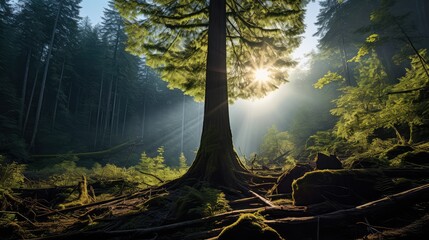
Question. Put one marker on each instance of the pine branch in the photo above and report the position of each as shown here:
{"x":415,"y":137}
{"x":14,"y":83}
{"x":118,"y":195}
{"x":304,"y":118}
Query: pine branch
{"x":186,"y":26}
{"x":185,"y":16}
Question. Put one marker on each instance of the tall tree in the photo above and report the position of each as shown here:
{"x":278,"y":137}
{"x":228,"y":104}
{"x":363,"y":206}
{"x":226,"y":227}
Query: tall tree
{"x":175,"y":36}
{"x":45,"y":75}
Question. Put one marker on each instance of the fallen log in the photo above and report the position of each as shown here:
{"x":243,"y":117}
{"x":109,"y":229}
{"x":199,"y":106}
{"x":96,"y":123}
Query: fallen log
{"x":341,"y":218}
{"x":264,"y":200}
{"x":416,"y":230}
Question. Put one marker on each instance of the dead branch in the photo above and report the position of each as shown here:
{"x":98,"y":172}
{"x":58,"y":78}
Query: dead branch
{"x":266,"y":201}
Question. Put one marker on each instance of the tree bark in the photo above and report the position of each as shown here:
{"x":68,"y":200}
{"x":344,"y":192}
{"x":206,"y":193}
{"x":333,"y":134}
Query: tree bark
{"x":216,"y":162}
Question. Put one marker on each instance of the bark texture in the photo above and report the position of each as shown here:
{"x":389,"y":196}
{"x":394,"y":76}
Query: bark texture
{"x":216,"y":161}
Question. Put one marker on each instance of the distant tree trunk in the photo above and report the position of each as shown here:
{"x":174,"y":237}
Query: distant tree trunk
{"x":117,"y":116}
{"x":58,"y":95}
{"x":98,"y":110}
{"x":216,"y":162}
{"x":421,"y":9}
{"x":115,"y":95}
{"x":45,"y":76}
{"x":90,"y":118}
{"x":183,"y":123}
{"x":345,"y":63}
{"x":125,"y":118}
{"x":109,"y":97}
{"x":69,"y":96}
{"x":30,"y":102}
{"x":144,"y":117}
{"x":107,"y":115}
{"x":24,"y":89}
{"x":76,"y":106}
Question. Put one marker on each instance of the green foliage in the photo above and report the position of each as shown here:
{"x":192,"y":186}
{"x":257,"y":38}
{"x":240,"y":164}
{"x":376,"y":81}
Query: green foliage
{"x":411,"y":108}
{"x":174,"y":38}
{"x":275,"y":144}
{"x":198,"y":202}
{"x":327,"y":79}
{"x":359,"y":107}
{"x":183,"y":165}
{"x":154,"y":164}
{"x":148,"y":172}
{"x":328,"y":143}
{"x":366,"y":48}
{"x":11,"y":174}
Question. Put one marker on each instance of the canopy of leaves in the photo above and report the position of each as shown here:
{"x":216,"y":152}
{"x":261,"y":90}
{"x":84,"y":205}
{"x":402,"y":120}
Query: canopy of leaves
{"x":173,"y":37}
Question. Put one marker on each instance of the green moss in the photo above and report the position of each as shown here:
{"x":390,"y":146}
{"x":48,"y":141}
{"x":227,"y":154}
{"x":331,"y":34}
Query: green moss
{"x":249,"y":227}
{"x":344,"y":186}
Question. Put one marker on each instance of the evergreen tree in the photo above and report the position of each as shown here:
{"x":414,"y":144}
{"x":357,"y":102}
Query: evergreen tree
{"x":175,"y":38}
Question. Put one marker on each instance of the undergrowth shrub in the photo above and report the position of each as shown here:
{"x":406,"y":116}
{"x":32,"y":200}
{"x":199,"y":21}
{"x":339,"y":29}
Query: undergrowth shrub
{"x":196,"y":202}
{"x":11,"y":174}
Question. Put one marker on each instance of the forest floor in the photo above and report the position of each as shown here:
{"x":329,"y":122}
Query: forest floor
{"x":360,"y":201}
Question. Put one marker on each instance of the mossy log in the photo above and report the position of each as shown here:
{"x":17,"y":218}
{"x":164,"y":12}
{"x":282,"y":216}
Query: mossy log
{"x":342,"y":220}
{"x":351,"y":187}
{"x":416,"y":230}
{"x":250,"y":227}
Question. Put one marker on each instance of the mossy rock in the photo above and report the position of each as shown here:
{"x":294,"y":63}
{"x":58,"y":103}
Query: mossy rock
{"x":249,"y":227}
{"x":350,"y":187}
{"x":284,"y":182}
{"x":397,"y":150}
{"x":327,"y":162}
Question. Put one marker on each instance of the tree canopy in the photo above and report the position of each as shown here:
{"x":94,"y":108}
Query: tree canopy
{"x":172,"y":35}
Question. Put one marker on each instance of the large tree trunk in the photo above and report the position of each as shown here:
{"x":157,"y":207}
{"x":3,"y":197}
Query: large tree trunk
{"x":216,"y":162}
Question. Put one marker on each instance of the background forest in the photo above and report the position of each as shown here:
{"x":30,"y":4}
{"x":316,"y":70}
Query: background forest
{"x":68,"y":86}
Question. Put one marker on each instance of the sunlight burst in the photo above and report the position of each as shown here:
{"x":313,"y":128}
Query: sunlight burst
{"x":262,"y":75}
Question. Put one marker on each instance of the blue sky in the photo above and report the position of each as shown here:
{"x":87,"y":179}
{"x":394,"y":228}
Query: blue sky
{"x":93,"y":9}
